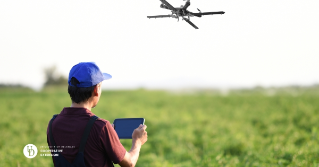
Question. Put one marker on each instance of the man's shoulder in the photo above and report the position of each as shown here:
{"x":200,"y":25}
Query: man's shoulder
{"x":100,"y":122}
{"x":104,"y":127}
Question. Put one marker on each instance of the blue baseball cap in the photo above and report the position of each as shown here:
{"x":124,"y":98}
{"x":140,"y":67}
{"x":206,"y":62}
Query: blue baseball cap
{"x":88,"y":74}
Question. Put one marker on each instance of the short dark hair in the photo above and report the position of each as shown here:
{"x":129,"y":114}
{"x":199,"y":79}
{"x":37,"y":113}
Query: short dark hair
{"x":79,"y":95}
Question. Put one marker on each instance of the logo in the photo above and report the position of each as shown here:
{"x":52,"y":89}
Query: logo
{"x":30,"y":151}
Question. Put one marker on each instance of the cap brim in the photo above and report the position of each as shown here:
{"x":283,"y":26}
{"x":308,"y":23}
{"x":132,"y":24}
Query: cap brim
{"x":107,"y":76}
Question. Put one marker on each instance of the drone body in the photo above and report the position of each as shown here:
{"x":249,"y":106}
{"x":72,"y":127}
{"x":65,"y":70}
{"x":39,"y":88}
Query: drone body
{"x":182,"y":12}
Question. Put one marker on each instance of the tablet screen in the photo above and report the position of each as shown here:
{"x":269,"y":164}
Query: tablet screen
{"x":124,"y":127}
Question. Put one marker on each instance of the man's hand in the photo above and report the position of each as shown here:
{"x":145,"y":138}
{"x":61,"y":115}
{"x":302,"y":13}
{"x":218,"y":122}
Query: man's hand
{"x":140,"y":135}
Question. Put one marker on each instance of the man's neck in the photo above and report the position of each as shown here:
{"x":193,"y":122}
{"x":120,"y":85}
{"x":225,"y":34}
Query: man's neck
{"x":82,"y":105}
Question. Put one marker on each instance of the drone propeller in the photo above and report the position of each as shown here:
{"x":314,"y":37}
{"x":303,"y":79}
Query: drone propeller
{"x":168,"y":5}
{"x":199,"y":10}
{"x":161,"y":16}
{"x":196,"y":14}
{"x":211,"y":13}
{"x":200,"y":14}
{"x":189,"y":22}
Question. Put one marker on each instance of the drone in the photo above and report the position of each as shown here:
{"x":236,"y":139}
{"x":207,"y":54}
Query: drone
{"x":182,"y":12}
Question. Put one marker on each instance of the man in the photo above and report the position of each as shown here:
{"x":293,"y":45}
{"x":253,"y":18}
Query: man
{"x":103,"y":147}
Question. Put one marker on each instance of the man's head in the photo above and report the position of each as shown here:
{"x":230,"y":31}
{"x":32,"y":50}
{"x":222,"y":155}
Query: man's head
{"x":85,"y":80}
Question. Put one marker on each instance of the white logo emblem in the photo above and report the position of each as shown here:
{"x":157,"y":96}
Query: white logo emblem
{"x":30,"y":151}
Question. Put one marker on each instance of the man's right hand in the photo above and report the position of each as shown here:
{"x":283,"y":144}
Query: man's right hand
{"x":140,"y":135}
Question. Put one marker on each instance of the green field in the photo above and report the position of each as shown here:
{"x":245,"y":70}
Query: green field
{"x":241,"y":128}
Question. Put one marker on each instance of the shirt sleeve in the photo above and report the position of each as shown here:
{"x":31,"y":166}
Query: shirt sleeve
{"x":111,"y":143}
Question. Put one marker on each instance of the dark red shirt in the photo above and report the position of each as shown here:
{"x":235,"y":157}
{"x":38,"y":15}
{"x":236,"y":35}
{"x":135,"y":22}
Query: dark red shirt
{"x":103,"y":146}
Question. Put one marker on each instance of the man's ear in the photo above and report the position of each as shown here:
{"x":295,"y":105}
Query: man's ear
{"x":96,"y":90}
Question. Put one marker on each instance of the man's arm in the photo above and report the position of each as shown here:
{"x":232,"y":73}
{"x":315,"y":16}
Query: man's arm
{"x":139,"y":137}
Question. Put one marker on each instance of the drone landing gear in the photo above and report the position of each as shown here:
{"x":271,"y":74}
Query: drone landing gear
{"x":177,"y":17}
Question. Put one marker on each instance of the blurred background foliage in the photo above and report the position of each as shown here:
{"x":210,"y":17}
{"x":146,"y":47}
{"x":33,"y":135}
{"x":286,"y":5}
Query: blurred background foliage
{"x":199,"y":127}
{"x":245,"y":127}
{"x":54,"y":78}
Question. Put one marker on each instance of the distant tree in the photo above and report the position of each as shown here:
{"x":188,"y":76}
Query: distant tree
{"x":53,"y":78}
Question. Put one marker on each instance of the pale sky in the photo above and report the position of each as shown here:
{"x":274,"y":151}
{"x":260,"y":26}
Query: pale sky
{"x":256,"y":42}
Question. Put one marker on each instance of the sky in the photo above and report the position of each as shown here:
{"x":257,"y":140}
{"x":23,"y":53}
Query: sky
{"x":255,"y":43}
